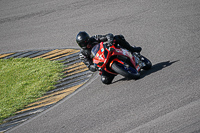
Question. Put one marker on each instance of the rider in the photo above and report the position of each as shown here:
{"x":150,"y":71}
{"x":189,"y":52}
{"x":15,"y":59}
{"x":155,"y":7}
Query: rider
{"x":87,"y":43}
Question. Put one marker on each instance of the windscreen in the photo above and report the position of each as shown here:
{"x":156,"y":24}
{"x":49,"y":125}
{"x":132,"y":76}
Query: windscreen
{"x":95,"y":49}
{"x":101,"y":48}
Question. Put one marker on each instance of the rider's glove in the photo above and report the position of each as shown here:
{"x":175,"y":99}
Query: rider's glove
{"x":81,"y":56}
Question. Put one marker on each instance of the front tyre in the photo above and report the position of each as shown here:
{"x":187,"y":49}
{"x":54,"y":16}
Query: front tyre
{"x":126,"y":71}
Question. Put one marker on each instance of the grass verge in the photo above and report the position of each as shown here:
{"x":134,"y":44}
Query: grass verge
{"x":23,"y":80}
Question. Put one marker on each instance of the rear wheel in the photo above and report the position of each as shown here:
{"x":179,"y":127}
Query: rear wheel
{"x":126,"y":71}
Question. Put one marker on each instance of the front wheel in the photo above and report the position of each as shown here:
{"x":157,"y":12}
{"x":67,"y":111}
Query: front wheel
{"x":126,"y":71}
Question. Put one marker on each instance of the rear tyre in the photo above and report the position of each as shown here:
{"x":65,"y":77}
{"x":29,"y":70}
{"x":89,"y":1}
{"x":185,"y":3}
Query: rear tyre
{"x":126,"y":71}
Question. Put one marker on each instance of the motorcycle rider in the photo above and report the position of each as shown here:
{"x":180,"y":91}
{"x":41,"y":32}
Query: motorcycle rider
{"x":87,"y":43}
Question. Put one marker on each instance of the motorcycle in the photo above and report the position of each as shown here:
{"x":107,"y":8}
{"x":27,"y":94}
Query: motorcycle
{"x":116,"y":60}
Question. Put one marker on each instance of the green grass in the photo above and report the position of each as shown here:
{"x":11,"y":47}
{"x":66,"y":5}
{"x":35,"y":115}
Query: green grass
{"x":23,"y":80}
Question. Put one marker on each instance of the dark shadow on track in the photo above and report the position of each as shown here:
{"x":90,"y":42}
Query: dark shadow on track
{"x":155,"y":68}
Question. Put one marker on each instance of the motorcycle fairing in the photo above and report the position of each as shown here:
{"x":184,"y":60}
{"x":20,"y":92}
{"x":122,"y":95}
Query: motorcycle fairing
{"x":100,"y":53}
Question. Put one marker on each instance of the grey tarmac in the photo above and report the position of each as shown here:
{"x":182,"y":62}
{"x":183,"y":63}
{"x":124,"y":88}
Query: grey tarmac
{"x":165,"y":99}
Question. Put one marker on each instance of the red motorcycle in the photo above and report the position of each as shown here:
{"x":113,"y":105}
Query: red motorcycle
{"x":116,"y":60}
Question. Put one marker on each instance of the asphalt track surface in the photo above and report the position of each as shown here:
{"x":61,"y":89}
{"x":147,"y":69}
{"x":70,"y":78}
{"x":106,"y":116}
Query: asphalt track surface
{"x":165,"y":99}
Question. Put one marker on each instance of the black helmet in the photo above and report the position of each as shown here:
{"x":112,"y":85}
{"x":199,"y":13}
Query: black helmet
{"x":82,"y":39}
